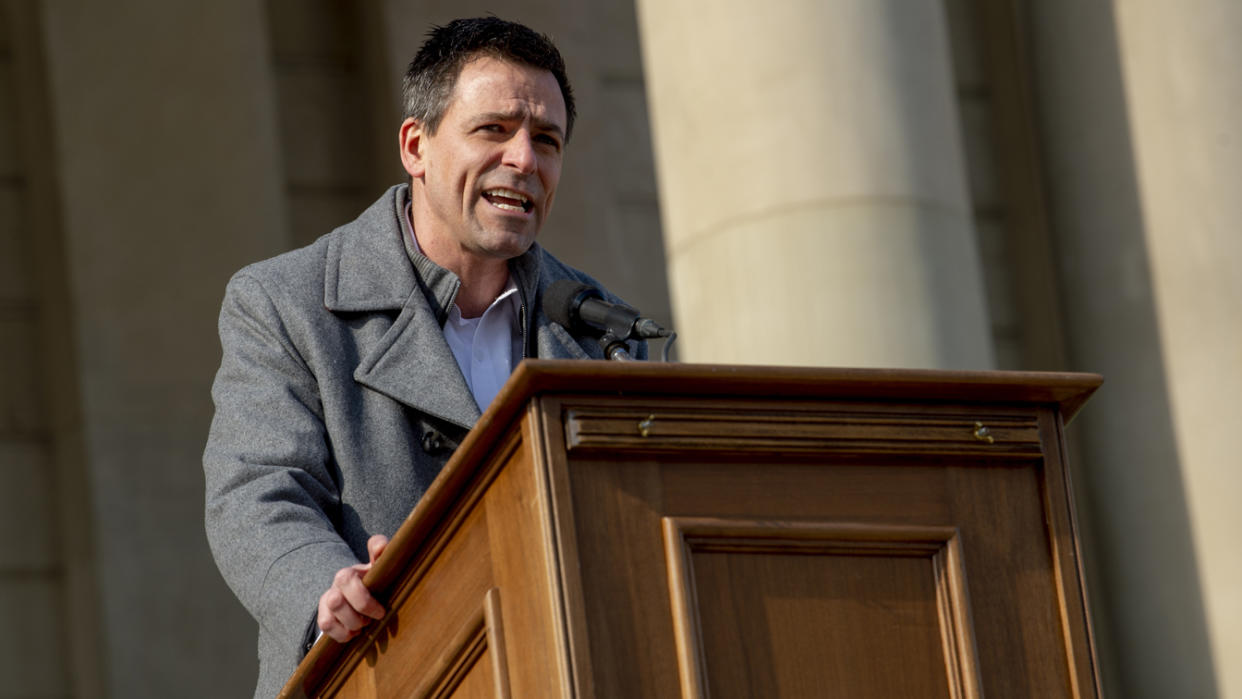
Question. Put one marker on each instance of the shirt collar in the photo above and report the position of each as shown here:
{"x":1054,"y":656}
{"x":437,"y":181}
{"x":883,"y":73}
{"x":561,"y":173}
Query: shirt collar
{"x":506,"y":301}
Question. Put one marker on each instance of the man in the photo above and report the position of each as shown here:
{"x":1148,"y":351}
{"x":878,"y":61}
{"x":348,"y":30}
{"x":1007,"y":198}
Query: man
{"x":352,"y":368}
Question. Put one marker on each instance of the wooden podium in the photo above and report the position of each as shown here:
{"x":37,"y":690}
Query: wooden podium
{"x":661,"y":530}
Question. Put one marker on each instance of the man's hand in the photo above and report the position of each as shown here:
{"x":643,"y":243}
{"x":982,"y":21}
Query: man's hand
{"x":348,"y":606}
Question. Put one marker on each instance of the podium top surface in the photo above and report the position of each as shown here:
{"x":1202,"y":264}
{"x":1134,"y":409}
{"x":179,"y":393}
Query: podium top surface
{"x":1069,"y":391}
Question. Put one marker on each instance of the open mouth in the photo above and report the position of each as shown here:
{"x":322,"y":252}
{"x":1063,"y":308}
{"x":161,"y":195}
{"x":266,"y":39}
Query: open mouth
{"x":508,"y":200}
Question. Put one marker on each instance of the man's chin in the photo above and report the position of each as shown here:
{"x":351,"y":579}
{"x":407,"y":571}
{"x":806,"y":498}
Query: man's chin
{"x":499,"y":234}
{"x":510,"y":245}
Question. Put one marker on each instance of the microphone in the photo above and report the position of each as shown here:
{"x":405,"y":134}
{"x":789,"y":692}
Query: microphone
{"x":581,"y":307}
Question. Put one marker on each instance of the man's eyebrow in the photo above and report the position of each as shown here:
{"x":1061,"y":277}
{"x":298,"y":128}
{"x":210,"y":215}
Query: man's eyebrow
{"x":541,"y":124}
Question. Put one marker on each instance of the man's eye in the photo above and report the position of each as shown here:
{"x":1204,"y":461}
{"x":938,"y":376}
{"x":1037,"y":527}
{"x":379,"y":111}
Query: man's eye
{"x":548,"y":140}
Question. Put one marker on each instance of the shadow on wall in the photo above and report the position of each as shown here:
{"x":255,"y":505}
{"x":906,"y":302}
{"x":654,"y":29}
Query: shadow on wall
{"x":1151,"y":629}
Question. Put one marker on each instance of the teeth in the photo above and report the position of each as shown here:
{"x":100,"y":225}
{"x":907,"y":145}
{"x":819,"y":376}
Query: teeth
{"x":508,"y":194}
{"x":507,"y":207}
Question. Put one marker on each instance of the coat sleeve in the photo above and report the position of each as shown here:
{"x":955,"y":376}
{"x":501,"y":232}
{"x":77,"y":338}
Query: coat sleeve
{"x":269,"y":484}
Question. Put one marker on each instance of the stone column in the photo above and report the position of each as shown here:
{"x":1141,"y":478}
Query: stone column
{"x":169,"y":177}
{"x":1141,"y":107}
{"x":1180,"y":64}
{"x":812,"y":183}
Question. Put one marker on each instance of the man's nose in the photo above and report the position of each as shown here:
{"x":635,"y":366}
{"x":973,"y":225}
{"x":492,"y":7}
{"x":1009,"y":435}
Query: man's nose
{"x":520,"y":152}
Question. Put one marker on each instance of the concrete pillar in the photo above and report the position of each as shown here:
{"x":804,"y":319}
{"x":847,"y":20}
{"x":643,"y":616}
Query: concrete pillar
{"x":169,"y":176}
{"x":1140,"y":110}
{"x":47,"y":571}
{"x":812,"y":183}
{"x":1181,"y":77}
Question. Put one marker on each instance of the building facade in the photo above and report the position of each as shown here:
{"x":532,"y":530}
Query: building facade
{"x":1012,"y":184}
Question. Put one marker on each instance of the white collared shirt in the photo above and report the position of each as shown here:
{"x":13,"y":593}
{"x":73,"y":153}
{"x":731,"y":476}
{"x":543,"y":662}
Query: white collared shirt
{"x":483,"y":346}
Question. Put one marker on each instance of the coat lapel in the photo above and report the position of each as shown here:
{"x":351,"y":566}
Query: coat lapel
{"x":550,"y":339}
{"x":413,"y":364}
{"x":553,"y":340}
{"x":368,"y":271}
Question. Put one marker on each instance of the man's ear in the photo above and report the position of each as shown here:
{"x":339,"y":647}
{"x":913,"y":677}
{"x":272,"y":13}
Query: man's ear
{"x":411,"y":142}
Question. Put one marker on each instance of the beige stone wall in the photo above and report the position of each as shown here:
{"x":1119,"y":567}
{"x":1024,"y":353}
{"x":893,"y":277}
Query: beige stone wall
{"x":1000,"y":143}
{"x":162,"y":116}
{"x":336,"y":115}
{"x":31,"y":558}
{"x":37,"y":661}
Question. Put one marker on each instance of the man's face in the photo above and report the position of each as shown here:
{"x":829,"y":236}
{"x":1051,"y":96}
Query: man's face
{"x":484,"y":181}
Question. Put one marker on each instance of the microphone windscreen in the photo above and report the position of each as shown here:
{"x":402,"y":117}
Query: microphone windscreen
{"x":562,"y":298}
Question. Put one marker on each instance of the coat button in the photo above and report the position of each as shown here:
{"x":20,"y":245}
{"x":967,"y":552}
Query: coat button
{"x":435,"y":443}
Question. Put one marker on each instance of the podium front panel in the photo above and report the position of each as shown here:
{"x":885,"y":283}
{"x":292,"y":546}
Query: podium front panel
{"x":779,"y":548}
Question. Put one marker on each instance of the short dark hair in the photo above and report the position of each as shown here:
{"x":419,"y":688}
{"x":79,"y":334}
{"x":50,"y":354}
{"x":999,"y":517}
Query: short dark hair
{"x":432,"y":76}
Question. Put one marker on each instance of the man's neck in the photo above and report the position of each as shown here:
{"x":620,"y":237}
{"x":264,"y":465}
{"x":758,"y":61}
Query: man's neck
{"x":482,"y":279}
{"x":480,"y":283}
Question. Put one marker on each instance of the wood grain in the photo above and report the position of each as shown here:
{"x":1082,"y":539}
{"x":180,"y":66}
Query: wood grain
{"x":780,"y":585}
{"x":525,"y":568}
{"x":663,"y":428}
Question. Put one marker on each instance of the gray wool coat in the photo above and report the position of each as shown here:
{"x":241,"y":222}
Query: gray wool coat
{"x":338,"y":401}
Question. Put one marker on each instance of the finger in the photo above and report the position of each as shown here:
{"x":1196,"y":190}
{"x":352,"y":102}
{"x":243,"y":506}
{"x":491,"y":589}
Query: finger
{"x":358,"y":596}
{"x":340,"y":634}
{"x":336,"y":618}
{"x":376,"y":545}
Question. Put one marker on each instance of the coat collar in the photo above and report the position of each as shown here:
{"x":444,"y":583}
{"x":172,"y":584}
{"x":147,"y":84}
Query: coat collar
{"x":368,"y":270}
{"x":366,"y":265}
